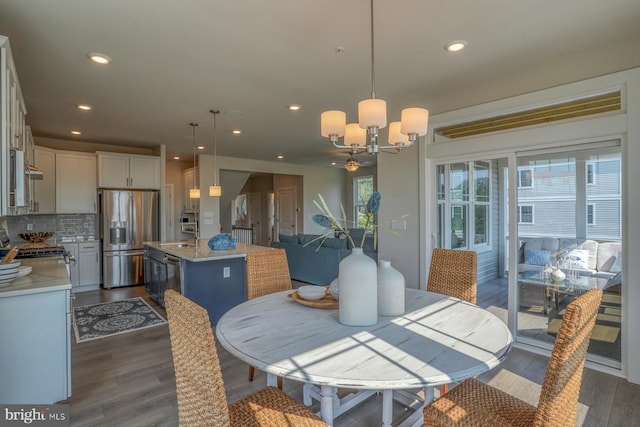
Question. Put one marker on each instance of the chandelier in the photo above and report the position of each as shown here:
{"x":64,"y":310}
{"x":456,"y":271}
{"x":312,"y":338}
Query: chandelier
{"x":194,"y":193}
{"x":372,"y":116}
{"x":215,"y":190}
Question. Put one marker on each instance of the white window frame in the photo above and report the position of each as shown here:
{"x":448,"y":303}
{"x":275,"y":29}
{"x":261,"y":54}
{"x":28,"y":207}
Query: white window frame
{"x":520,"y":214}
{"x":357,"y":203}
{"x":520,"y":171}
{"x":591,"y":207}
{"x":591,"y":173}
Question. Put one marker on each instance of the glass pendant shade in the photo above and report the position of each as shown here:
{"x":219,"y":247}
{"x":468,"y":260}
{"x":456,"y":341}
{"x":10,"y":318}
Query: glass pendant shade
{"x":414,"y":121}
{"x":333,"y":122}
{"x":372,"y":113}
{"x":395,"y":137}
{"x":355,"y":135}
{"x":194,"y":193}
{"x":215,"y":191}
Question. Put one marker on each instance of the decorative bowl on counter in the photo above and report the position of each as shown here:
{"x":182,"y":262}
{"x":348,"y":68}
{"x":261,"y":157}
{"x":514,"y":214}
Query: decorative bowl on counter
{"x":24,"y":270}
{"x":312,"y":292}
{"x":8,"y":272}
{"x":36,"y":237}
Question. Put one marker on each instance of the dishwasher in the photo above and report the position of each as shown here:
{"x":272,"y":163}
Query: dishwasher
{"x":161,"y":272}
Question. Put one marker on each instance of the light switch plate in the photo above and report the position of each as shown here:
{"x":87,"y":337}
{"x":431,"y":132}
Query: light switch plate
{"x":398,"y":224}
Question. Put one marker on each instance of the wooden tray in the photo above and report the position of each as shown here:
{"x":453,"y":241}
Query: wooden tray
{"x":326,"y":303}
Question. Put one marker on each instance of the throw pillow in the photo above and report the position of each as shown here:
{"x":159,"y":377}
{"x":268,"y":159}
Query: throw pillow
{"x":283,"y":238}
{"x":579,"y":258}
{"x":335,"y":243}
{"x":536,"y":256}
{"x":617,"y":265}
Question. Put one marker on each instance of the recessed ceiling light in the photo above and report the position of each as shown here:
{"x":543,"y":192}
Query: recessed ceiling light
{"x":99,"y":58}
{"x":200,"y":147}
{"x":176,"y":157}
{"x":280,"y":156}
{"x":76,"y":132}
{"x":455,"y":46}
{"x":293,"y":107}
{"x":237,"y":131}
{"x":84,"y":107}
{"x":333,"y":163}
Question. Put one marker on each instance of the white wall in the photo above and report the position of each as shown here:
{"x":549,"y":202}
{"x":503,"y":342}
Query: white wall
{"x":325,"y":181}
{"x":623,"y":125}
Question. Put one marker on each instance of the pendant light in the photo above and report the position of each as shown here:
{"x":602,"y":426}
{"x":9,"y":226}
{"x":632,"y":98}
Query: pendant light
{"x":372,"y":116}
{"x":215,"y":190}
{"x":194,"y":193}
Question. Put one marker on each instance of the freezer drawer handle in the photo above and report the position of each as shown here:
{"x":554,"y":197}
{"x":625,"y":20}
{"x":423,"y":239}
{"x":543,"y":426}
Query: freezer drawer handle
{"x":126,"y":255}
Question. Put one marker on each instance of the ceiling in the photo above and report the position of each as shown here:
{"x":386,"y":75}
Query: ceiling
{"x":173,"y":61}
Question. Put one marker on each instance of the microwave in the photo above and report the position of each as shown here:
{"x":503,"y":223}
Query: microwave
{"x":17,"y":179}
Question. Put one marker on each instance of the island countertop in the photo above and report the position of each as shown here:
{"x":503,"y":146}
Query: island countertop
{"x":47,"y":274}
{"x":187,"y":250}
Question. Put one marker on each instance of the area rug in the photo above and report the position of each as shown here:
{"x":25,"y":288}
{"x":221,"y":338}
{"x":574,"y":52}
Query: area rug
{"x":95,"y":321}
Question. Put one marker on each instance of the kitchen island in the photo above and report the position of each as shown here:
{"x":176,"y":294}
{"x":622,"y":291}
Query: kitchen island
{"x":35,"y":335}
{"x":216,"y":280}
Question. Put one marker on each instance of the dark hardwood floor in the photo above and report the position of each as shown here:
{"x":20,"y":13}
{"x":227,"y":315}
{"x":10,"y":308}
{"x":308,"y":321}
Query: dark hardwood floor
{"x":127,"y":380}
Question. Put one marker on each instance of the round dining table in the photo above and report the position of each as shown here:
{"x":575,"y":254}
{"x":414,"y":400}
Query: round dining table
{"x":438,"y":340}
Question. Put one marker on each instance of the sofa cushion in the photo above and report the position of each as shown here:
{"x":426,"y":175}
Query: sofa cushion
{"x":335,"y":243}
{"x":617,"y":265}
{"x":305,"y":239}
{"x":550,"y":244}
{"x":536,"y":256}
{"x":592,"y":247}
{"x":608,"y":255}
{"x":288,"y":239}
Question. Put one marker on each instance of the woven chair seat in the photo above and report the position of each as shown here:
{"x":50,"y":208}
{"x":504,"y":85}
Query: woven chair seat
{"x":474,"y":403}
{"x":271,"y":407}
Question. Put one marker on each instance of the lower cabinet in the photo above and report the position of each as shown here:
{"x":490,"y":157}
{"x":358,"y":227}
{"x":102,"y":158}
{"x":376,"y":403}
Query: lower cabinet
{"x":35,"y":347}
{"x":85,"y":271}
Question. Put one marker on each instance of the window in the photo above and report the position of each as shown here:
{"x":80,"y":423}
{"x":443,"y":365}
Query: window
{"x":525,"y":214}
{"x":591,"y":176}
{"x":362,"y":190}
{"x":591,"y":214}
{"x":464,"y":198}
{"x":525,"y":178}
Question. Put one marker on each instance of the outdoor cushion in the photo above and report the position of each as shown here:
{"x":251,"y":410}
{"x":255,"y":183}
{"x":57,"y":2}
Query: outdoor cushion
{"x":579,"y":258}
{"x":592,"y":247}
{"x":617,"y":265}
{"x":608,"y":254}
{"x":536,"y":256}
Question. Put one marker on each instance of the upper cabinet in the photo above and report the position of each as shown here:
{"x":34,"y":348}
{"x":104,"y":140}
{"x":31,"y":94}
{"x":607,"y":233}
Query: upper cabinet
{"x":44,"y":190}
{"x":75,"y":182}
{"x":14,"y":155}
{"x":128,"y":171}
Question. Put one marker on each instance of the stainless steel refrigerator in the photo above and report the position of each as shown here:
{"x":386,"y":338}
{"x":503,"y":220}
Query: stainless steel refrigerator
{"x":127,"y":218}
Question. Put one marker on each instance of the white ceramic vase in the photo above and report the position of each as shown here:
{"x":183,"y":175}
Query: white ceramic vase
{"x":358,"y":292}
{"x":557,"y":275}
{"x":390,"y":290}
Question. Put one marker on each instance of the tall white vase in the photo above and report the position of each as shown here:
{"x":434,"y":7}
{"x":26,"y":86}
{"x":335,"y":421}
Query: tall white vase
{"x":390,"y":290}
{"x":358,"y":294}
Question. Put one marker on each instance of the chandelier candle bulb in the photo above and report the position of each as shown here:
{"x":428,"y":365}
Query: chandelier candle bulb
{"x":355,"y":135}
{"x":333,"y":123}
{"x":414,"y":122}
{"x":372,"y":113}
{"x":395,"y":136}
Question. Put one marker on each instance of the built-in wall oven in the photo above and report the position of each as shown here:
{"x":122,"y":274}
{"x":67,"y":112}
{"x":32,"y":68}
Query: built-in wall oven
{"x":161,"y":272}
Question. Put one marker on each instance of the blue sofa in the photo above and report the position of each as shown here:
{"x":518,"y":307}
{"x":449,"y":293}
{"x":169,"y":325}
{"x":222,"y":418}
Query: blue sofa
{"x":316,"y":262}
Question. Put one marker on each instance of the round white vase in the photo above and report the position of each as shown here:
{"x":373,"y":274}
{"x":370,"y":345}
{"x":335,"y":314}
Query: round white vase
{"x":390,"y":290}
{"x":358,"y":292}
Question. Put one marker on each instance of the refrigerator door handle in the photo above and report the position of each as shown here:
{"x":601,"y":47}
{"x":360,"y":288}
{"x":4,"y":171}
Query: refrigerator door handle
{"x":125,"y":254}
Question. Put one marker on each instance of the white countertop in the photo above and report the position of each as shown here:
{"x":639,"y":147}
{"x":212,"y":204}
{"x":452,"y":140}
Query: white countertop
{"x":202,"y":252}
{"x":47,"y":274}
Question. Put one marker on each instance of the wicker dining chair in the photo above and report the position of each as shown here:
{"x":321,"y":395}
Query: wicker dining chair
{"x":267,"y":272}
{"x":474,"y":403}
{"x":453,"y":273}
{"x":202,"y":399}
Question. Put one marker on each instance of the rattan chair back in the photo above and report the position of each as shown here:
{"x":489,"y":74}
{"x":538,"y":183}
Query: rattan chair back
{"x":558,"y":402}
{"x":453,"y":273}
{"x":202,"y":400}
{"x":267,"y":272}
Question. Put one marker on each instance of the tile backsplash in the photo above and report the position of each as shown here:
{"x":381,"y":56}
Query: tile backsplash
{"x":65,"y":227}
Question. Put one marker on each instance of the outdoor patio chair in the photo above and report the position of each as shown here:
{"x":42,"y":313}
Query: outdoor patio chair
{"x":267,"y":272}
{"x":474,"y":403}
{"x":202,"y":399}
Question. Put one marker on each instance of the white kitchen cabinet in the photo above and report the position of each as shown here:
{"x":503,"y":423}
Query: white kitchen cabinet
{"x":88,"y":262}
{"x":35,"y":347}
{"x":128,"y":171}
{"x":72,"y":248}
{"x":75,"y":182}
{"x":44,"y":190}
